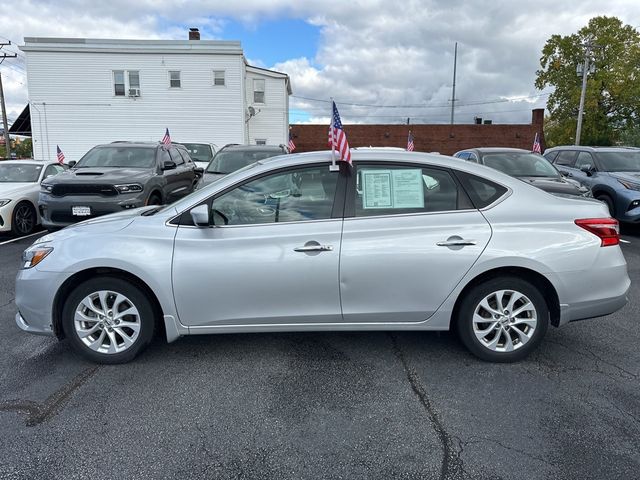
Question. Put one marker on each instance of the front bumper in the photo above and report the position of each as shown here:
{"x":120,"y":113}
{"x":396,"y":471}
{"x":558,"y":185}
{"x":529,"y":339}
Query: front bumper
{"x":6,"y":214}
{"x":57,"y":212}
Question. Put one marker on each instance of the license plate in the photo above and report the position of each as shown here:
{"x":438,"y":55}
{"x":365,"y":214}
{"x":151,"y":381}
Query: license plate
{"x":81,"y":211}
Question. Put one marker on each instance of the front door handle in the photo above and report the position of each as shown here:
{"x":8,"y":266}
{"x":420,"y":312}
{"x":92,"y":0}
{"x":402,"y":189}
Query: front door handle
{"x":456,"y":243}
{"x":314,"y":248}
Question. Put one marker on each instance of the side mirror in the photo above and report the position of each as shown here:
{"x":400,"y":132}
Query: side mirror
{"x":200,"y":215}
{"x":588,"y":169}
{"x":72,"y":163}
{"x":199,"y":171}
{"x":169,"y":165}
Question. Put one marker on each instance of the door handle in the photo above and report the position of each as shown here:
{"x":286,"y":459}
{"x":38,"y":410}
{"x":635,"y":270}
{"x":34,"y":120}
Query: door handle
{"x":314,"y":248}
{"x":456,"y":243}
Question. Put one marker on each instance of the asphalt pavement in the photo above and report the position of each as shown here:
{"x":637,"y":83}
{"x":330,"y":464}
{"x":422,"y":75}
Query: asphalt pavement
{"x":323,"y":405}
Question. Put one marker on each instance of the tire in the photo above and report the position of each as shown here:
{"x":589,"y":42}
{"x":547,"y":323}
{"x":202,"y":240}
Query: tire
{"x":154,"y":199}
{"x":513,"y":337}
{"x":24,"y":219}
{"x":609,"y":202}
{"x":105,"y":340}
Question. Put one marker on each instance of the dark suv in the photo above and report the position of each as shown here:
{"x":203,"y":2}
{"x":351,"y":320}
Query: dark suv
{"x":114,"y":177}
{"x":233,"y":157}
{"x":612,"y":173}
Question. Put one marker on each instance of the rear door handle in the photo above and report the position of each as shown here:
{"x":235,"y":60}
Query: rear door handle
{"x":456,"y":243}
{"x":314,"y":248}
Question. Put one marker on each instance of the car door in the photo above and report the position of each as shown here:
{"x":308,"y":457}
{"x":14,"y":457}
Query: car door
{"x":584,"y":159}
{"x":410,"y":235}
{"x":272,"y":256}
{"x":184,"y":174}
{"x":565,"y":161}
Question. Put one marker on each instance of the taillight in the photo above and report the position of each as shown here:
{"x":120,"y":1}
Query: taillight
{"x":607,"y":229}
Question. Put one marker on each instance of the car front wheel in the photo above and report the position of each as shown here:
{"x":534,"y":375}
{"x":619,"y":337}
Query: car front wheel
{"x":503,"y":319}
{"x":108,"y":320}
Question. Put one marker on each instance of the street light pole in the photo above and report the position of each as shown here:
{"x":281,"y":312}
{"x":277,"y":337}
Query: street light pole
{"x":585,"y":72}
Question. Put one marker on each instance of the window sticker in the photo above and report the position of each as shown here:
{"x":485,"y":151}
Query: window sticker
{"x":393,"y":188}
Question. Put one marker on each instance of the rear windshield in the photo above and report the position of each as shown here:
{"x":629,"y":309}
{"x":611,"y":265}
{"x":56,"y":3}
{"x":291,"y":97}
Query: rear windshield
{"x":521,"y":164}
{"x":12,"y":172}
{"x":620,"y":161}
{"x":230,"y":161}
{"x":122,"y":157}
{"x":199,"y":152}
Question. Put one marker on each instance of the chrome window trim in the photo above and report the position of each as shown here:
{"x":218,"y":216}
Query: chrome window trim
{"x":296,"y":222}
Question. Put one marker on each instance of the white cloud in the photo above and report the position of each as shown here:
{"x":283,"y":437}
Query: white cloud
{"x":370,"y":52}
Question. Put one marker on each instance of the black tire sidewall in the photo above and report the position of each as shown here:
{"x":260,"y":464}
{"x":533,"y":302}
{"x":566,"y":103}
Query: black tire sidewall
{"x":152,"y":197}
{"x":139,"y":299}
{"x":609,"y":202}
{"x":34,"y":215}
{"x":464,"y":322}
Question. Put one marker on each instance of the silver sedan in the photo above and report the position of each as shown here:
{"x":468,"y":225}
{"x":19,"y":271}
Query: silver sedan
{"x":396,"y":241}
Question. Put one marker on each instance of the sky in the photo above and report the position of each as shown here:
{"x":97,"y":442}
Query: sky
{"x":382,"y":62}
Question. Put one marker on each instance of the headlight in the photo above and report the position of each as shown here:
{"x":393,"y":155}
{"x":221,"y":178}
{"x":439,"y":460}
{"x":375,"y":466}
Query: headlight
{"x":629,"y":185}
{"x":33,"y":255}
{"x":129,"y":188}
{"x":3,"y":202}
{"x":46,"y":188}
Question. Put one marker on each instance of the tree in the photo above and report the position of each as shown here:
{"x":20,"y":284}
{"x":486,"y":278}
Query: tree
{"x":24,"y":149}
{"x":612,"y":102}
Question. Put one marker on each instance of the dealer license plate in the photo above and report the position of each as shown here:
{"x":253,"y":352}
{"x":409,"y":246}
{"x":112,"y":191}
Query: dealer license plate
{"x":81,"y":211}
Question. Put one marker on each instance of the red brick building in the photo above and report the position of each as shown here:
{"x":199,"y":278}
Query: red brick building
{"x":445,"y":139}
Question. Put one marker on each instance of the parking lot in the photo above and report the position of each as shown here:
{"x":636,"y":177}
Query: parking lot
{"x":324,"y":405}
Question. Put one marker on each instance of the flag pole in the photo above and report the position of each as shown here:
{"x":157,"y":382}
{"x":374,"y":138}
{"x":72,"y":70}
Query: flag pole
{"x":333,"y":167}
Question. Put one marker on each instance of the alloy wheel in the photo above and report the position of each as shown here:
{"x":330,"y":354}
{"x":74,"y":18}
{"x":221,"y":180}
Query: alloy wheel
{"x":504,"y":320}
{"x":107,"y":322}
{"x":24,"y":219}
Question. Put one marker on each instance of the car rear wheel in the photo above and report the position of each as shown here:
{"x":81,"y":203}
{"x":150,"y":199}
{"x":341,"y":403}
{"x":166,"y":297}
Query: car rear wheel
{"x":503,"y":319}
{"x":108,"y":320}
{"x":609,"y":202}
{"x":154,"y":199}
{"x":24,"y":219}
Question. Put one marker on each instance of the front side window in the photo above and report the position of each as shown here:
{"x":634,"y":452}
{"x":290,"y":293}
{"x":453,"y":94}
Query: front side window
{"x":566,"y":158}
{"x":291,"y":196}
{"x":118,"y":157}
{"x":53,"y":170}
{"x":118,"y":83}
{"x":383,"y":190}
{"x":218,"y":78}
{"x":258,"y":90}
{"x":175,"y":156}
{"x":584,"y":160}
{"x":174,"y":79}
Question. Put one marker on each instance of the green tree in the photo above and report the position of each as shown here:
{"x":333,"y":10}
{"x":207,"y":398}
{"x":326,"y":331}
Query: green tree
{"x":612,"y":102}
{"x":24,"y":149}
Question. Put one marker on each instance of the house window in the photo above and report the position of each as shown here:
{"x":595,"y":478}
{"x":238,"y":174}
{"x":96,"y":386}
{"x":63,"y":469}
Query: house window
{"x":174,"y":79}
{"x":218,"y":78}
{"x":134,"y":80}
{"x":118,"y":83}
{"x":261,"y":141}
{"x":258,"y":90}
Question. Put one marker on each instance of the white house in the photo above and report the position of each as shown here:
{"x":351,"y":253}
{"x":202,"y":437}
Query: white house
{"x":84,"y":92}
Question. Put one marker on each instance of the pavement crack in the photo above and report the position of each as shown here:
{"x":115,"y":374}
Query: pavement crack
{"x":452,"y":465}
{"x":598,"y":358}
{"x":8,"y":303}
{"x":35,"y":412}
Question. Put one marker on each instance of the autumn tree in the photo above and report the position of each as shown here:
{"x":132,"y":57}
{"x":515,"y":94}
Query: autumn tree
{"x":612,"y":102}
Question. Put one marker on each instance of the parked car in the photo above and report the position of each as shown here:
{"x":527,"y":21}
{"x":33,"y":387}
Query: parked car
{"x":233,"y":157}
{"x":114,"y":177}
{"x":612,"y":173}
{"x":398,"y":241}
{"x":200,"y":153}
{"x":526,"y":166}
{"x":19,"y":189}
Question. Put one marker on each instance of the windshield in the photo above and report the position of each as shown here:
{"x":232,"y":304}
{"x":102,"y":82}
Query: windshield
{"x":521,"y":164}
{"x":230,"y":161}
{"x":199,"y":152}
{"x":15,"y":173}
{"x":122,"y":157}
{"x":620,"y":161}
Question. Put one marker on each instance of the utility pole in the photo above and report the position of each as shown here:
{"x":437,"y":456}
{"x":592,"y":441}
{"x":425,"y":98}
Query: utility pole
{"x":453,"y":93}
{"x":585,"y":72}
{"x":5,"y":123}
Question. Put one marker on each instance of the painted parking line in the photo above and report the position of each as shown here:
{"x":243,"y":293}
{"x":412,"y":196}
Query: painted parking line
{"x":22,"y":238}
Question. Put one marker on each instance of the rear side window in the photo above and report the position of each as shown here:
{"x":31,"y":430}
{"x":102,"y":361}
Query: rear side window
{"x":551,"y":156}
{"x":566,"y":158}
{"x":482,"y":192}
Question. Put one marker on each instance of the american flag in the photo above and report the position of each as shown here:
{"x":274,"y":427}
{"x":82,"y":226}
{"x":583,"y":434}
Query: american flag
{"x":410,"y":145}
{"x":167,"y":138}
{"x":337,"y":137}
{"x":292,"y":146}
{"x":60,"y":155}
{"x":537,"y":148}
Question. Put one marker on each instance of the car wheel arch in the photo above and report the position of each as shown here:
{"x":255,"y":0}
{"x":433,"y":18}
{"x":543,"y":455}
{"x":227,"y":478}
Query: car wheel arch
{"x":74,"y":280}
{"x":546,"y":288}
